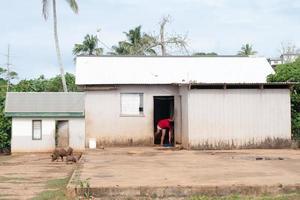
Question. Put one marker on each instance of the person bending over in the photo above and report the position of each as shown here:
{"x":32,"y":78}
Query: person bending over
{"x":162,"y":126}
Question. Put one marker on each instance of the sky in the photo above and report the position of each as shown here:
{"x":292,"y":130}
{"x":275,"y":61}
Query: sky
{"x":221,"y":26}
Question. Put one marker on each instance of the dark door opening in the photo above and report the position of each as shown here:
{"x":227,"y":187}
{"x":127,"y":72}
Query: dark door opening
{"x":62,"y":133}
{"x":163,"y":109}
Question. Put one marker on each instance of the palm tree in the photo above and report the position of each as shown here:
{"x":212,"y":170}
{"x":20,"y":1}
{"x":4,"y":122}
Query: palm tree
{"x":74,"y":7}
{"x":137,"y":43}
{"x":88,"y":47}
{"x":247,"y":50}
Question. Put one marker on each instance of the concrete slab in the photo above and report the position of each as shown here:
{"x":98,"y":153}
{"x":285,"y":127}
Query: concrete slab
{"x":162,"y":173}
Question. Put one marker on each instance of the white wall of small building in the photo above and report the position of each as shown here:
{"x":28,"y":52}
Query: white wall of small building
{"x":238,"y":116}
{"x":22,"y":141}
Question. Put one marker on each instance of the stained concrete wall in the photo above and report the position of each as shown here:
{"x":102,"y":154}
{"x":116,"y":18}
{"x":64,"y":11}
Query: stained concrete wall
{"x":77,"y":133}
{"x":105,"y":122}
{"x":22,"y":134}
{"x":238,"y":117}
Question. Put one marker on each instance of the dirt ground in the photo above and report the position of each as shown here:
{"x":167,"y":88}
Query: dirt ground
{"x":26,"y":176}
{"x":148,"y":167}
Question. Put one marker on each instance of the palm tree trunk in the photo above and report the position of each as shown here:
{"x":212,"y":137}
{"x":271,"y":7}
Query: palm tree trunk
{"x":61,"y":68}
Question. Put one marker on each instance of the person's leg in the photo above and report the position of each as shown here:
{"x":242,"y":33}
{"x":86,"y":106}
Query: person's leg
{"x":158,"y":129}
{"x":162,"y":137}
{"x":170,"y":137}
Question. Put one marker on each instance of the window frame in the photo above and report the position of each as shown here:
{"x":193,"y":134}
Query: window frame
{"x":141,"y":106}
{"x":41,"y":130}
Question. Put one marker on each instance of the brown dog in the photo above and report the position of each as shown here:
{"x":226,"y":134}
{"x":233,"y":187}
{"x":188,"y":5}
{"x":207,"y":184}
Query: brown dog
{"x":61,"y":152}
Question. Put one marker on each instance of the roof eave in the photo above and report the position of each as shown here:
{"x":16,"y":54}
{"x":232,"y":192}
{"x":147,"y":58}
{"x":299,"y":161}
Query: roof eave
{"x":45,"y":114}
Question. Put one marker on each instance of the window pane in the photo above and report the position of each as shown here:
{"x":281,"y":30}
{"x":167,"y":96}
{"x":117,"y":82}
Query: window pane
{"x":37,"y":129}
{"x":131,"y":104}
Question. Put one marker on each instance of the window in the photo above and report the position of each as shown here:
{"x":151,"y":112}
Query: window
{"x":132,"y":104}
{"x":37,"y":129}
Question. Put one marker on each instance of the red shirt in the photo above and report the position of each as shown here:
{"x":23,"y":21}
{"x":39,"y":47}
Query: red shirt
{"x":164,"y":124}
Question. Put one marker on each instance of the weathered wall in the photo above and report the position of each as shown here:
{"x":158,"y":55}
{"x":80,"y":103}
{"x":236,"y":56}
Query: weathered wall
{"x":104,"y":120}
{"x":22,"y":135}
{"x":240,"y":117}
{"x":77,"y":133}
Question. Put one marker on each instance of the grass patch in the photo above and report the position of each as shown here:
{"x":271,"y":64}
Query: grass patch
{"x":55,"y":190}
{"x":51,"y":194}
{"x":292,"y":196}
{"x":57,"y":183}
{"x":9,"y":178}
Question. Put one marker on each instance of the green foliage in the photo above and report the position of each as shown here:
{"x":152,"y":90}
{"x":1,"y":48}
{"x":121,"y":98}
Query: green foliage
{"x":247,"y":50}
{"x":5,"y":123}
{"x":291,"y":73}
{"x":85,"y":187}
{"x":88,"y":47}
{"x":56,"y":190}
{"x":137,"y":43}
{"x":42,"y":84}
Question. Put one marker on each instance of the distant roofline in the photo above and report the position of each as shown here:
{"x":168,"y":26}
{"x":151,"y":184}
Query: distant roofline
{"x":191,"y":83}
{"x":269,"y":85}
{"x":176,"y":56}
{"x":48,"y":92}
{"x":290,"y":54}
{"x":45,"y":114}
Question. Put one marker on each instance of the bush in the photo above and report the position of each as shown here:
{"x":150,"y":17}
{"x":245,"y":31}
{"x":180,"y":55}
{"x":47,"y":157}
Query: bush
{"x":291,"y":73}
{"x":5,"y":126}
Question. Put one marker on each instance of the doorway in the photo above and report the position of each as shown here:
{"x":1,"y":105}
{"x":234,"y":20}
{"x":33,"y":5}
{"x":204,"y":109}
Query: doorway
{"x":62,"y":133}
{"x":163,"y":109}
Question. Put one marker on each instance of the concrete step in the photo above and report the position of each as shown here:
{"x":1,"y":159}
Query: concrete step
{"x":179,"y":192}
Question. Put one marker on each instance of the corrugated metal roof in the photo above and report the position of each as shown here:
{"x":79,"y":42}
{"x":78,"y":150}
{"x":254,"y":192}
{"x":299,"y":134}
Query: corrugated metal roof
{"x":170,"y":70}
{"x":55,"y":103}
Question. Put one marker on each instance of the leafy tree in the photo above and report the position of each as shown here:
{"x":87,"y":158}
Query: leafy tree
{"x":5,"y":123}
{"x":41,"y":84}
{"x":291,"y":73}
{"x":247,"y":50}
{"x":88,"y":47}
{"x":73,"y":5}
{"x":137,"y":43}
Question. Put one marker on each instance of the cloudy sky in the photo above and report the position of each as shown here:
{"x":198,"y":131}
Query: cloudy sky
{"x":221,"y":26}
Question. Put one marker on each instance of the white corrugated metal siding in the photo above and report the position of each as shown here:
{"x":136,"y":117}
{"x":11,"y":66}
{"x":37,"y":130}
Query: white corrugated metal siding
{"x":238,"y":116}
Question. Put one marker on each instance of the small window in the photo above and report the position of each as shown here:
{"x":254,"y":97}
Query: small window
{"x":36,"y":129}
{"x":132,"y":104}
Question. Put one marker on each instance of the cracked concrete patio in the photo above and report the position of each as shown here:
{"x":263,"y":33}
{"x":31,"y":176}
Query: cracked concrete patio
{"x":140,"y":171}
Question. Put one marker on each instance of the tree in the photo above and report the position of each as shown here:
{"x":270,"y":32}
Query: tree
{"x":289,"y":52}
{"x":136,"y":43}
{"x":164,"y":41}
{"x":247,"y":50}
{"x":88,"y":47}
{"x":74,"y":7}
{"x":5,"y":123}
{"x":291,"y":73}
{"x":41,"y":84}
